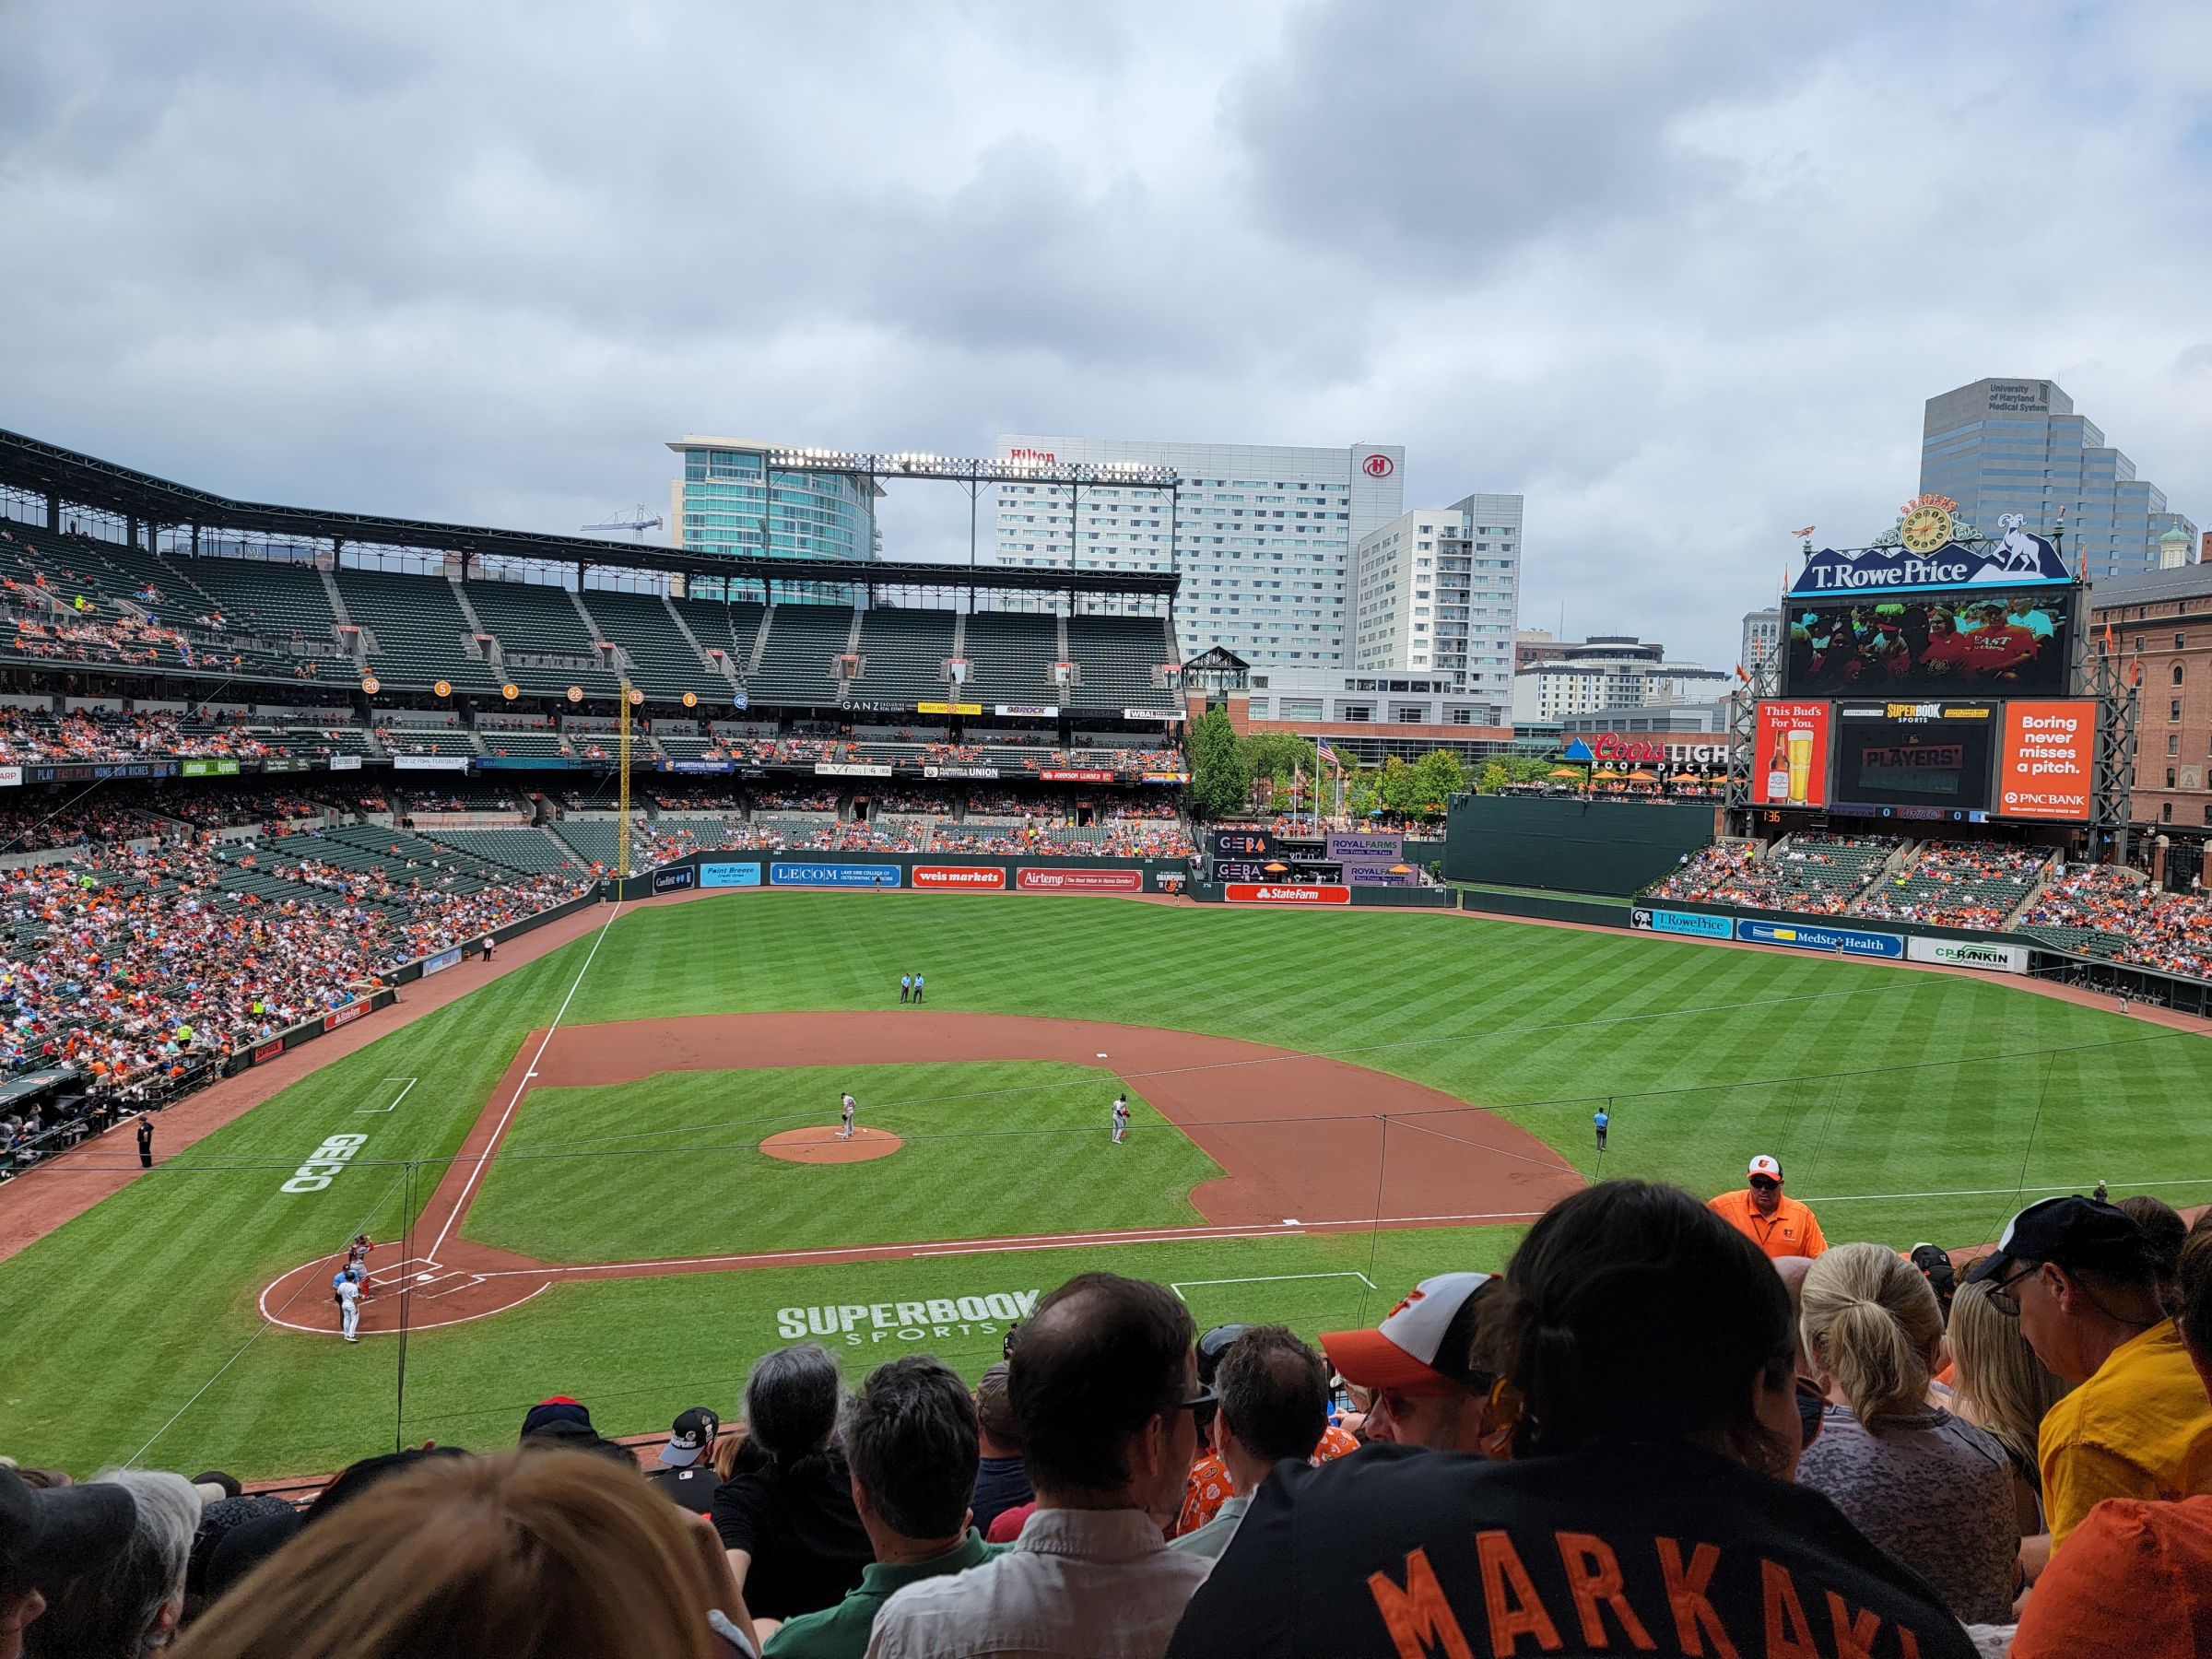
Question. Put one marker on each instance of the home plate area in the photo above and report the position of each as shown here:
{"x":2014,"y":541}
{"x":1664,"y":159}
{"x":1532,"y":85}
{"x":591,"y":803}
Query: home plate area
{"x":1297,"y":1136}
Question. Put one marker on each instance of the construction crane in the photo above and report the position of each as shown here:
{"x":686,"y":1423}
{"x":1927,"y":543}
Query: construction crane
{"x":637,"y":523}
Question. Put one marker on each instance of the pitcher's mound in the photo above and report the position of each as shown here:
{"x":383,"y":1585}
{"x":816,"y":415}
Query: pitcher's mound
{"x":821,"y":1146}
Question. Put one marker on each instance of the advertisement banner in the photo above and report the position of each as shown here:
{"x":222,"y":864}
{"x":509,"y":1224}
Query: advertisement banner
{"x":2044,"y":767}
{"x":1838,"y":941}
{"x":441,"y":962}
{"x":1082,"y":775}
{"x":1164,"y":777}
{"x":1959,"y":953}
{"x":2021,"y":557}
{"x":11,"y":777}
{"x":850,"y":768}
{"x":1373,"y":848}
{"x":973,"y":877}
{"x":948,"y":707}
{"x":1240,"y":843}
{"x":1690,"y":924}
{"x":694,"y":766}
{"x":1373,"y":872}
{"x":1789,"y":755}
{"x":529,"y":762}
{"x":208,"y":769}
{"x":834,"y":874}
{"x":268,"y":1051}
{"x":431,"y":763}
{"x":1080,"y":881}
{"x":344,"y":763}
{"x":1263,"y":892}
{"x":344,"y":1015}
{"x":1168,"y":716}
{"x":284,"y":763}
{"x":729,"y":874}
{"x":1030,"y":711}
{"x":959,"y":771}
{"x":1916,"y":760}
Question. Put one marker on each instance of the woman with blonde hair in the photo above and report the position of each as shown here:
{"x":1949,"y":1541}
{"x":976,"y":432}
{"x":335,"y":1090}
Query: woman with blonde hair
{"x":1998,"y":1384}
{"x":1935,"y":1492}
{"x":535,"y":1554}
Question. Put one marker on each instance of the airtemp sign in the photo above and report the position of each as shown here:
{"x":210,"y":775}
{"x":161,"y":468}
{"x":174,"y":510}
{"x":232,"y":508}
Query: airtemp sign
{"x":2017,"y":559}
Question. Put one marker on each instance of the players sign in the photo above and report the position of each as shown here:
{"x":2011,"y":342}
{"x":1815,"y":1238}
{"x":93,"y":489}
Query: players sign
{"x":2044,"y":772}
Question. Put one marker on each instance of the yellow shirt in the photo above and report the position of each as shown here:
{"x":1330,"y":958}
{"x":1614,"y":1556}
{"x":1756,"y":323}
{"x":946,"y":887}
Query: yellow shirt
{"x":2140,"y":1427}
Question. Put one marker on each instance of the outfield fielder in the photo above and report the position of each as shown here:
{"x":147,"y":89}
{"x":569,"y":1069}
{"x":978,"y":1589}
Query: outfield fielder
{"x":849,"y":1106}
{"x":1120,"y":1117}
{"x":349,"y":1296}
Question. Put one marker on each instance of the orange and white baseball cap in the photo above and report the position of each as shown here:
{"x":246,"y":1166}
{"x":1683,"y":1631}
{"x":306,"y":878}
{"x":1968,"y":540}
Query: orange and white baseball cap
{"x":1425,"y":1342}
{"x":1769,"y":1167}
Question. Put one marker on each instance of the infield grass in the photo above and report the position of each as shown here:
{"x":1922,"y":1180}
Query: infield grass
{"x":1904,"y":1105}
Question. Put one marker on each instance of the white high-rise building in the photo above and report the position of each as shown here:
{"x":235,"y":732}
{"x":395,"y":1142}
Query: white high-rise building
{"x":1262,"y":535}
{"x":1439,"y":588}
{"x":1763,"y":638}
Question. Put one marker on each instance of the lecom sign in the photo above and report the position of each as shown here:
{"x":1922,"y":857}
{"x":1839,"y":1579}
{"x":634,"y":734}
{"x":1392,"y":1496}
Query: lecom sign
{"x":1080,"y":881}
{"x":978,"y":876}
{"x":1269,"y":892}
{"x":1378,"y":466}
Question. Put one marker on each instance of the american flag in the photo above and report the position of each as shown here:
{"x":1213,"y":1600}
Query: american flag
{"x":1322,"y":749}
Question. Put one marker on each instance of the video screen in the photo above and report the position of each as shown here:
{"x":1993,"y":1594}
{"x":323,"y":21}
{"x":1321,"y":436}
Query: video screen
{"x":1966,"y":644}
{"x":1906,"y":755}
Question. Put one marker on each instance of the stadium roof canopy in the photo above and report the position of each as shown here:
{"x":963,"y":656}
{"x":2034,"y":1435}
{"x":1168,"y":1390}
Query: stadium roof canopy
{"x":102,"y":486}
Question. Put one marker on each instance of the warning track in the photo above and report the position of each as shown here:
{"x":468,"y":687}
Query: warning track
{"x":1301,"y":1139}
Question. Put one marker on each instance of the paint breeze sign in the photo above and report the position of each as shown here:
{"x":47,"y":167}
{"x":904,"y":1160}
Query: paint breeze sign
{"x":860,"y":1325}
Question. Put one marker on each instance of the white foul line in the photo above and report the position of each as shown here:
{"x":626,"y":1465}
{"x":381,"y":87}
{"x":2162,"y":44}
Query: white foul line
{"x":475,"y":1170}
{"x":1180,"y":1286}
{"x":362,"y":1111}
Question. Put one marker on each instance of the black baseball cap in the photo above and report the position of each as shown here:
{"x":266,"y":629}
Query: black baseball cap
{"x":691,"y":1439}
{"x":2072,"y":1231}
{"x":1212,"y":1346}
{"x":50,"y":1535}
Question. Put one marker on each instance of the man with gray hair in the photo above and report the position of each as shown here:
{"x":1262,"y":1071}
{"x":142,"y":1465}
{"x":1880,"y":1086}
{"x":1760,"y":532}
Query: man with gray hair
{"x":133,"y":1607}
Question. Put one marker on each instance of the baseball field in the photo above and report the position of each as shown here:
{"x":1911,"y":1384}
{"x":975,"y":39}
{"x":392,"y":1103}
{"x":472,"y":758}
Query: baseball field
{"x":611,"y":1172}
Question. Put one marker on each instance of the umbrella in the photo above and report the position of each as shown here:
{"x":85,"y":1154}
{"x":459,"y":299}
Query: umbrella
{"x":1565,"y":771}
{"x":1401,"y":869}
{"x":1641,"y":776}
{"x":1686,"y":777}
{"x":1275,"y":869}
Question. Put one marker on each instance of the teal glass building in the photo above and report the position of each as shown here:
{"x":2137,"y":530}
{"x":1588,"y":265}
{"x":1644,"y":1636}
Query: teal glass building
{"x":731,"y":502}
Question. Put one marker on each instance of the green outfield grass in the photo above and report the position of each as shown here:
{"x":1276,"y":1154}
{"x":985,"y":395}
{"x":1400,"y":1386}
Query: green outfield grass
{"x":1023,"y":1144}
{"x":1904,"y":1105}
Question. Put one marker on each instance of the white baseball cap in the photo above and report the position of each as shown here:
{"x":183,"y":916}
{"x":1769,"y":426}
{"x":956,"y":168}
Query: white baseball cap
{"x":1764,"y":1165}
{"x":1424,"y":1341}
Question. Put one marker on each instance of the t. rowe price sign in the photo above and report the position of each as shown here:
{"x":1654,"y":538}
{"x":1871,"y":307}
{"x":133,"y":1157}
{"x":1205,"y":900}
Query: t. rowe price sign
{"x":1268,"y":892}
{"x":1080,"y":881}
{"x":978,"y":877}
{"x":2043,"y":770}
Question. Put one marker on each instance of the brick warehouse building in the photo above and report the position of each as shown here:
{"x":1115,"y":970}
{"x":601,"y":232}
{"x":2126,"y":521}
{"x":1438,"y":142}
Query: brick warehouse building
{"x":2163,"y":620}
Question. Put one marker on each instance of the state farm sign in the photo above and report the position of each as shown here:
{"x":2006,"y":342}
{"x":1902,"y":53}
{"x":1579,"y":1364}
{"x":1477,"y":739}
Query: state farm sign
{"x":1266,"y":892}
{"x":979,"y":877}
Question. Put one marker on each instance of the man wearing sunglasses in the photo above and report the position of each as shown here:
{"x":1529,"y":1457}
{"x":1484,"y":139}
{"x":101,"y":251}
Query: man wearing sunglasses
{"x":2082,"y":1278}
{"x":1778,"y":1226}
{"x":1421,"y":1364}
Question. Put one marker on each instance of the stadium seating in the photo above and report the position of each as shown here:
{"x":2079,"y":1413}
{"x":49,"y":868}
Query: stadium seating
{"x":1817,"y":875}
{"x":527,"y":851}
{"x":733,"y":630}
{"x":905,"y":653}
{"x":799,"y":664}
{"x":529,"y":619}
{"x":1114,"y":658}
{"x":1010,"y":657}
{"x":1956,"y":884}
{"x":663,"y":662}
{"x":421,"y":635}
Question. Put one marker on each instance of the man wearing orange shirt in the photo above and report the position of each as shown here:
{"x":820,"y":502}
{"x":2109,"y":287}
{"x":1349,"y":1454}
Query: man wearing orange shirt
{"x":1781,"y":1227}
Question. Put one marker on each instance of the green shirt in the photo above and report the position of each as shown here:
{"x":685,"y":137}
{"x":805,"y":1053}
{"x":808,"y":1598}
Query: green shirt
{"x":841,"y":1633}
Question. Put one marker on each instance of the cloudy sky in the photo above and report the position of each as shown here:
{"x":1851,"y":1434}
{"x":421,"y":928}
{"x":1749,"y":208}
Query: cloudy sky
{"x":1681,"y":273}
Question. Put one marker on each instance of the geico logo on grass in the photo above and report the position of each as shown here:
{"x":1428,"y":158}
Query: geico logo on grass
{"x":940,"y":1316}
{"x":324,"y":1164}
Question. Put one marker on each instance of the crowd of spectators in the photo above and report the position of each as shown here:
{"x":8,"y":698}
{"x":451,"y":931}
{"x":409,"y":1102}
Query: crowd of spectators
{"x":32,"y":737}
{"x":1958,"y":884}
{"x":1644,"y":1435}
{"x":2135,"y":923}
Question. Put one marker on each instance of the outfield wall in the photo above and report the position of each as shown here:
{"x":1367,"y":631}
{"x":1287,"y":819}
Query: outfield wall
{"x":1569,"y":844}
{"x":905,"y":871}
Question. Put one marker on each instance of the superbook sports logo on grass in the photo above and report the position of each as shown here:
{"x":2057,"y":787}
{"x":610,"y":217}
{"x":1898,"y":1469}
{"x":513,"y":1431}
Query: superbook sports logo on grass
{"x":861,"y":1323}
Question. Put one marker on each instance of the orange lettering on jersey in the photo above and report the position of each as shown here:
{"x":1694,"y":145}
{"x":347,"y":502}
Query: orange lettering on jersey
{"x":1695,"y":1617}
{"x":1503,"y":1575}
{"x":1417,"y":1616}
{"x":1908,"y":1644}
{"x":1788,"y":1634}
{"x":1594,"y":1580}
{"x":1855,"y":1634}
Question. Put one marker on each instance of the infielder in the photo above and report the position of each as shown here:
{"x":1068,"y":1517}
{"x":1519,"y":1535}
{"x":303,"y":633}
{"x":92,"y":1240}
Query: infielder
{"x":348,"y":1298}
{"x":1120,"y":1117}
{"x":849,"y":1106}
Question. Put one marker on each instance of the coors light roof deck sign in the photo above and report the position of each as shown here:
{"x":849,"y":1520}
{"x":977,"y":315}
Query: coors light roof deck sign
{"x":1930,"y":548}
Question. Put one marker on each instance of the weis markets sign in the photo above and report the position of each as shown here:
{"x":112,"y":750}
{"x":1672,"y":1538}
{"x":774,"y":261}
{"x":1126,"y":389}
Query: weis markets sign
{"x":982,"y":877}
{"x":862,"y":1325}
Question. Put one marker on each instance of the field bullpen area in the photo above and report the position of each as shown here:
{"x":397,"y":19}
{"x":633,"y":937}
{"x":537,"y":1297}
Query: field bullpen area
{"x":565,"y":1173}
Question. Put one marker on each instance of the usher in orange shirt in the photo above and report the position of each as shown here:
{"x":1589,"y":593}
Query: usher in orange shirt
{"x":1790,"y":1231}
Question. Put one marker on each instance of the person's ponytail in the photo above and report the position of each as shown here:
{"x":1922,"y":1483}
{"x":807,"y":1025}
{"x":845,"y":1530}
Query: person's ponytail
{"x":1870,"y":1322}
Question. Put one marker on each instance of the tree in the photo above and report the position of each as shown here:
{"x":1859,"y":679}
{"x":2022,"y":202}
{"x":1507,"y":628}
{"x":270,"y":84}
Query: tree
{"x":1220,"y":777}
{"x":1279,"y":756}
{"x":1437,"y":777}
